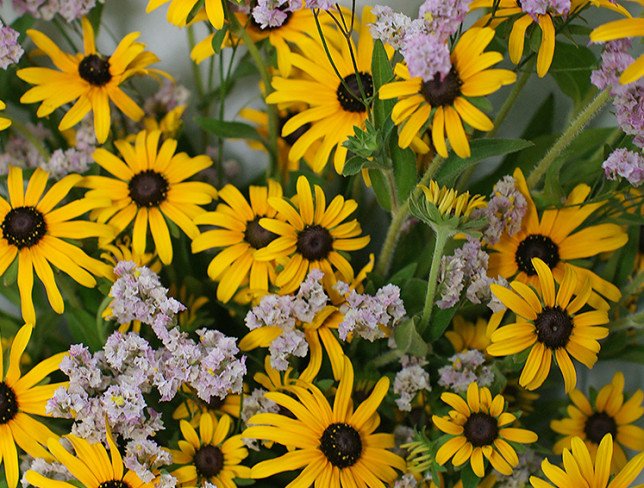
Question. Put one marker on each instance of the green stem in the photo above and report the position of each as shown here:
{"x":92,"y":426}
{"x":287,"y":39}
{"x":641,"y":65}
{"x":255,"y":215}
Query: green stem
{"x":442,"y":236}
{"x":196,"y":71}
{"x":584,"y":117}
{"x":509,"y":102}
{"x":393,"y":232}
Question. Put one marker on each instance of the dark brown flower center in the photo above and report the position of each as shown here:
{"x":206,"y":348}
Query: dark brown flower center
{"x":536,"y":246}
{"x":8,"y":403}
{"x":296,"y":134}
{"x":439,"y":92}
{"x":598,"y":425}
{"x":341,"y":444}
{"x":23,"y":226}
{"x":314,"y":242}
{"x":257,"y":236}
{"x":148,"y":188}
{"x":209,"y":461}
{"x":114,"y":484}
{"x":554,"y":327}
{"x":481,"y":429}
{"x":95,"y":70}
{"x":349,"y":94}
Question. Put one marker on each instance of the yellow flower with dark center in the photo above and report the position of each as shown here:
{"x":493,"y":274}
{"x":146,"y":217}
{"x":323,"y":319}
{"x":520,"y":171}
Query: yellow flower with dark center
{"x":90,"y":78}
{"x":549,"y":326}
{"x":210,"y":456}
{"x":336,"y":445}
{"x":610,"y":414}
{"x":91,"y":466}
{"x":241,"y":237}
{"x":505,"y":9}
{"x":443,"y":102}
{"x":179,"y":11}
{"x":622,"y":29}
{"x":580,"y":470}
{"x":4,"y":122}
{"x":20,"y":399}
{"x":480,"y":429}
{"x":311,"y":235}
{"x":121,"y":250}
{"x":468,"y":335}
{"x":553,"y":237}
{"x":335,"y":107}
{"x":193,"y":408}
{"x":147,"y":186}
{"x":33,"y":231}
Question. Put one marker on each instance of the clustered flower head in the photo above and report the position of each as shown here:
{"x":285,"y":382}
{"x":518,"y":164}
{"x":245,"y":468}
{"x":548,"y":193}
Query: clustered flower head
{"x":410,"y":380}
{"x":47,"y":9}
{"x":627,"y":164}
{"x":465,"y":367}
{"x":615,"y":59}
{"x":505,"y":210}
{"x":629,"y":110}
{"x":10,"y":49}
{"x":273,"y":13}
{"x":542,"y":7}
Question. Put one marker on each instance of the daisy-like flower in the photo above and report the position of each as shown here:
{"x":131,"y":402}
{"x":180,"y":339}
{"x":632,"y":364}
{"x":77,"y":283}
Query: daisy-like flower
{"x":90,"y":465}
{"x":579,"y":469}
{"x":467,"y":335}
{"x":553,"y":237}
{"x":179,"y":11}
{"x":147,"y":186}
{"x":336,"y":445}
{"x":610,"y":414}
{"x":335,"y":107}
{"x":239,"y":236}
{"x":90,"y":78}
{"x":549,"y":326}
{"x":442,"y":102}
{"x":4,"y":122}
{"x":480,"y":429}
{"x":622,"y":29}
{"x":33,"y":231}
{"x":20,"y":398}
{"x":211,"y":455}
{"x":310,"y":235}
{"x":448,"y":203}
{"x":193,"y":408}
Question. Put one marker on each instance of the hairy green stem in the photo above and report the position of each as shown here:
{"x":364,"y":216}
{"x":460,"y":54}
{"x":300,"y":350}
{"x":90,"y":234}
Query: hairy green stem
{"x":442,"y":236}
{"x":584,"y":117}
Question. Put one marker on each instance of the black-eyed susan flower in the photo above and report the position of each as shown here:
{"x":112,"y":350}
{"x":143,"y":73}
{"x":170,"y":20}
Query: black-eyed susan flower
{"x":480,"y":428}
{"x":468,"y":335}
{"x":580,"y":470}
{"x":179,"y":11}
{"x":146,"y":187}
{"x":610,"y":414}
{"x":212,"y":455}
{"x":91,"y":465}
{"x":622,"y":29}
{"x":442,"y":102}
{"x":311,"y":235}
{"x":33,"y":232}
{"x":20,"y":398}
{"x":4,"y":122}
{"x":441,"y":206}
{"x":90,"y":78}
{"x":549,"y":325}
{"x":335,"y":107}
{"x":239,"y":236}
{"x":192,"y":408}
{"x":555,"y":237}
{"x":336,"y":446}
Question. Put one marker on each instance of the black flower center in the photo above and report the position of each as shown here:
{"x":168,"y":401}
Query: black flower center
{"x":439,"y":92}
{"x":296,"y":134}
{"x":314,"y":242}
{"x":554,"y":327}
{"x":341,"y":444}
{"x":8,"y":403}
{"x":349,"y":94}
{"x":209,"y":460}
{"x":257,"y":236}
{"x":114,"y":484}
{"x":598,"y":425}
{"x":148,"y":188}
{"x":23,"y":226}
{"x":536,"y":246}
{"x":481,"y":429}
{"x":95,"y":70}
{"x":215,"y":402}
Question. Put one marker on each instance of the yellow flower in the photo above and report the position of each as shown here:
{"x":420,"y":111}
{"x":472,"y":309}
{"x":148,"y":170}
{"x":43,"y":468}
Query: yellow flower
{"x":20,"y":398}
{"x":580,"y":470}
{"x":193,"y":408}
{"x":311,"y":236}
{"x":479,"y":428}
{"x":621,"y":29}
{"x":609,"y":415}
{"x":147,"y":186}
{"x":554,"y":238}
{"x":90,"y":78}
{"x":240,"y":237}
{"x":91,"y":466}
{"x":210,"y":456}
{"x":449,"y":202}
{"x":4,"y":123}
{"x":33,"y":231}
{"x":179,"y":11}
{"x":336,"y":445}
{"x":444,"y":102}
{"x":549,"y":326}
{"x":466,"y":335}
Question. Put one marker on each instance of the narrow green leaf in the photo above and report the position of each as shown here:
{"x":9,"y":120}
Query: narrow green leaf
{"x":380,"y":188}
{"x":408,"y":340}
{"x":469,"y":479}
{"x":405,"y":174}
{"x":218,"y":38}
{"x":94,"y":17}
{"x":382,"y":73}
{"x":228,"y":129}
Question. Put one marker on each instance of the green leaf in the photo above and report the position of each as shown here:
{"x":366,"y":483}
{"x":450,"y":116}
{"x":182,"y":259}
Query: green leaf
{"x":571,"y":67}
{"x":353,"y":165}
{"x":440,"y":321}
{"x":469,"y":479}
{"x":404,"y":274}
{"x":230,"y":130}
{"x":541,"y":122}
{"x":481,"y":149}
{"x":380,"y":188}
{"x":218,"y":38}
{"x":405,"y":175}
{"x":408,"y":340}
{"x":381,"y":73}
{"x":94,"y":17}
